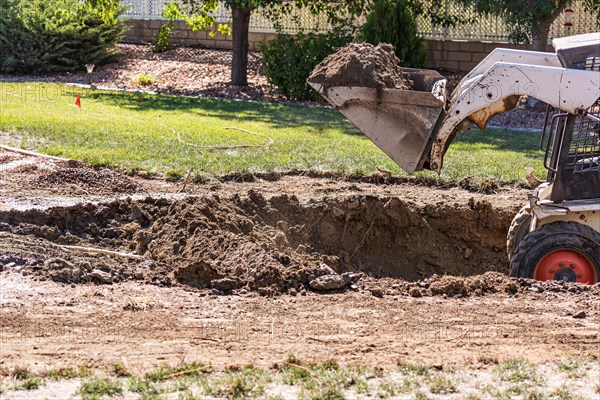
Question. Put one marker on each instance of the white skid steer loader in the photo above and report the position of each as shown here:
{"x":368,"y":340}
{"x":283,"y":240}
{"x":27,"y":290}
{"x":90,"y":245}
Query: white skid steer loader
{"x":556,"y":236}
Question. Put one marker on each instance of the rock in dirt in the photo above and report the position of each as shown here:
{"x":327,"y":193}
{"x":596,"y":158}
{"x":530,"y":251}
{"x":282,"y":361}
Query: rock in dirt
{"x":62,"y":275}
{"x":579,"y":315}
{"x":352,"y":277}
{"x":57,"y":263}
{"x":98,"y":276}
{"x":325,"y":269}
{"x":362,"y":65}
{"x":328,"y":282}
{"x":225,"y":284}
{"x":266,"y":291}
{"x":61,"y":270}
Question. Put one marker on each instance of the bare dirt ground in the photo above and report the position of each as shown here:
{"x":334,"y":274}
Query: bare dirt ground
{"x":97,"y":268}
{"x":49,"y":325}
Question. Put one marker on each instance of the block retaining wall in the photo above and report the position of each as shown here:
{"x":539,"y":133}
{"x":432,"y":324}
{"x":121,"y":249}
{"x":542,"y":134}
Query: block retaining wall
{"x":450,"y":55}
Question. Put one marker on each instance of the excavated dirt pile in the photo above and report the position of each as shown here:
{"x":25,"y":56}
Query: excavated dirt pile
{"x":362,"y":65}
{"x":249,"y":242}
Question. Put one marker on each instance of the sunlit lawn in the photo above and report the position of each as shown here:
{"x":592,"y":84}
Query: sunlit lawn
{"x":139,"y":132}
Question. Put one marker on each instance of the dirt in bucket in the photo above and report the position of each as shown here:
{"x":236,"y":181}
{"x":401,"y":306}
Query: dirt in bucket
{"x":362,"y":65}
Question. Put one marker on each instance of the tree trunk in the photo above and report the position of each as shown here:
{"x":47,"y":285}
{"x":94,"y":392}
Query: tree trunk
{"x":239,"y":65}
{"x":540,"y":39}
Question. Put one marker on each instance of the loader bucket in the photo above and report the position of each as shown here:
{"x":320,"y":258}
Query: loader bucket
{"x":402,"y":123}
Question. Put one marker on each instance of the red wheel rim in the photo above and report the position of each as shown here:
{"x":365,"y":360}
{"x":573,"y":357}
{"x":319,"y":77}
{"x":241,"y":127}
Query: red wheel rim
{"x":566,"y":264}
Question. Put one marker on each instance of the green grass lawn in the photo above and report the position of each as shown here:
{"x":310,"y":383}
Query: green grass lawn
{"x":137,"y":132}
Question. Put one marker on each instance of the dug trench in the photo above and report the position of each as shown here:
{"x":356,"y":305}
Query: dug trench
{"x":251,"y":242}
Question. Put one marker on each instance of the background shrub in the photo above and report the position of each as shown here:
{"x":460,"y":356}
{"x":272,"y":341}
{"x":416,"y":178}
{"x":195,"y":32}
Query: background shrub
{"x":392,"y":21}
{"x":58,"y":35}
{"x":289,"y":60}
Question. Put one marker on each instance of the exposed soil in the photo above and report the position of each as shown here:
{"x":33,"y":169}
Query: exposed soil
{"x":271,"y":235}
{"x":362,"y":65}
{"x":280,"y":235}
{"x":83,"y":177}
{"x":275,"y":234}
{"x":20,"y":173}
{"x":49,"y":325}
{"x":273,"y":245}
{"x":252,"y":268}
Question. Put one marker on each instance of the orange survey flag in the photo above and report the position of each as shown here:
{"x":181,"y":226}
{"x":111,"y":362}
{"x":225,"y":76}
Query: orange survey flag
{"x":78,"y":100}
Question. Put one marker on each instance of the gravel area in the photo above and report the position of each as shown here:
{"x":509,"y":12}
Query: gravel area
{"x":206,"y":72}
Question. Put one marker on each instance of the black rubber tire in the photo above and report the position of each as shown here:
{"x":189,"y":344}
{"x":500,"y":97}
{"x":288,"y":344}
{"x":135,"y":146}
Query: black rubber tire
{"x":554,"y":236}
{"x":519,"y":228}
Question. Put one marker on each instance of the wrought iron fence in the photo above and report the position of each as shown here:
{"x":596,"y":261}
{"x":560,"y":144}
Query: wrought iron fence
{"x":484,"y":28}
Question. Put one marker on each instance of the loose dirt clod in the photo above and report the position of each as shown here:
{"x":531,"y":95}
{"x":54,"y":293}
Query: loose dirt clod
{"x":362,"y":65}
{"x":490,"y":282}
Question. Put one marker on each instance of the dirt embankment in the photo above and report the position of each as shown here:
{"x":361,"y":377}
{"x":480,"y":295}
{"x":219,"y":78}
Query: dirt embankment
{"x":248,"y":241}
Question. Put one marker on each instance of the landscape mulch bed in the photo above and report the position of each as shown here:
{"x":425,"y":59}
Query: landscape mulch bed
{"x":181,"y":71}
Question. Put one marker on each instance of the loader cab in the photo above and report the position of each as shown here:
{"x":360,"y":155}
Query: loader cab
{"x":578,"y":52}
{"x":572,"y":154}
{"x":572,"y":142}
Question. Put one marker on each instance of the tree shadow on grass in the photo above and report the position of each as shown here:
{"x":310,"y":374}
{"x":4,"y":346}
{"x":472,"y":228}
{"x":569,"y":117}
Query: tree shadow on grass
{"x":502,"y":139}
{"x":294,"y":116}
{"x":278,"y":115}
